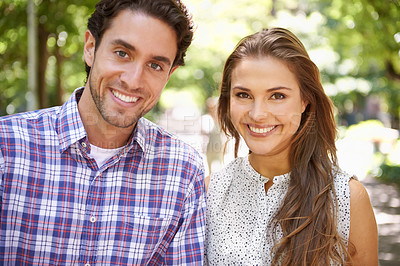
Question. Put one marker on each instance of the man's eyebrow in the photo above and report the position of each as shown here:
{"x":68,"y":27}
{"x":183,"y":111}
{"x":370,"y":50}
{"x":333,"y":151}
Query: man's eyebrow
{"x":132,"y":48}
{"x":124,"y":44}
{"x":163,"y":59}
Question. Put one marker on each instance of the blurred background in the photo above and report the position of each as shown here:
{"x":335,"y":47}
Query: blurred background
{"x":355,"y":43}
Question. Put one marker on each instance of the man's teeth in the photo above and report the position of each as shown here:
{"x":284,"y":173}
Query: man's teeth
{"x":124,"y":98}
{"x":261,"y":130}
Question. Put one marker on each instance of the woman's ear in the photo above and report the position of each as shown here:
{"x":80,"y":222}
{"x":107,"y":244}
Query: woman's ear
{"x":304,"y":106}
{"x":89,"y":48}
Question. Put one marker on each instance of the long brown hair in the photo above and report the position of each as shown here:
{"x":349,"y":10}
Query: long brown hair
{"x":307,"y":216}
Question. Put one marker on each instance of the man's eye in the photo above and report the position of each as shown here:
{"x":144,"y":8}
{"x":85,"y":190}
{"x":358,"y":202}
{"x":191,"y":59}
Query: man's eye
{"x":278,"y":96}
{"x":155,"y":66}
{"x":121,"y":54}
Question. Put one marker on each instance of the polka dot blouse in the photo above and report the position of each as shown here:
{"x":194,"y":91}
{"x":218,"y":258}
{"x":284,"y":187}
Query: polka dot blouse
{"x":239,"y":214}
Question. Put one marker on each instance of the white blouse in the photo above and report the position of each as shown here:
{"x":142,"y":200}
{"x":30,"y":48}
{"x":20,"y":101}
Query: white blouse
{"x":239,"y":214}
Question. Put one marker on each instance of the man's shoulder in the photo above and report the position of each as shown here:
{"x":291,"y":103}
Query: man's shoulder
{"x":151,"y":127}
{"x":31,"y":115}
{"x":159,"y":139}
{"x":32,"y":119}
{"x":167,"y":151}
{"x":156,"y":132}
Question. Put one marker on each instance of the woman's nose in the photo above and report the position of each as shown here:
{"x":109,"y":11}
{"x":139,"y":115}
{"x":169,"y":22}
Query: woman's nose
{"x":258,"y":111}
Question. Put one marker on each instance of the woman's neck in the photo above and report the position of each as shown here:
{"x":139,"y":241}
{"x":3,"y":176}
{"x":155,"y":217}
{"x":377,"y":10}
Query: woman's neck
{"x":270,"y":166}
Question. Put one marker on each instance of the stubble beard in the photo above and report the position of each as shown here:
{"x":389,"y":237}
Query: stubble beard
{"x":117,"y":118}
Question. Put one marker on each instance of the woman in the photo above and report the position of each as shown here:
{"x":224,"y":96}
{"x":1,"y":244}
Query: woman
{"x":287,"y":202}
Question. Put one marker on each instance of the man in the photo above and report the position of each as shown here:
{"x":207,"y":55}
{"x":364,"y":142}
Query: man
{"x":92,"y":182}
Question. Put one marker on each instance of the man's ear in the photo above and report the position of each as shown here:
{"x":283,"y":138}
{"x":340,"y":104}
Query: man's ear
{"x":89,"y":48}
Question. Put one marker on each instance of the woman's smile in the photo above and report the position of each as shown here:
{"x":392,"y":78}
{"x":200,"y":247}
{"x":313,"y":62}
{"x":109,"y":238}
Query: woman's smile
{"x":266,"y":104}
{"x":260,"y":130}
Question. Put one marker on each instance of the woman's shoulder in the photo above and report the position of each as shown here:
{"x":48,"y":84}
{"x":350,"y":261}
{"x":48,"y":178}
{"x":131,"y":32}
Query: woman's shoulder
{"x":340,"y":175}
{"x":341,"y":180}
{"x":363,"y":228}
{"x":231,"y":168}
{"x":225,"y":174}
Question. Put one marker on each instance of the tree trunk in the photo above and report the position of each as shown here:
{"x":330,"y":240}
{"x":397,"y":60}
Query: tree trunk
{"x":273,"y":9}
{"x":59,"y":88}
{"x":43,"y":57}
{"x":32,"y":99}
{"x":391,"y":71}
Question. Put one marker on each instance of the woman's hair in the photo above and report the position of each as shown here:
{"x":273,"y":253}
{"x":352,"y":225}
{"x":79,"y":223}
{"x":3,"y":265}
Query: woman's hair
{"x":172,"y":12}
{"x":307,"y":216}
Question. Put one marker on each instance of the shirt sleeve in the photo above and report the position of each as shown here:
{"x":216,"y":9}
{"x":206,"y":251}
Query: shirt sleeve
{"x":1,"y":175}
{"x":187,"y":247}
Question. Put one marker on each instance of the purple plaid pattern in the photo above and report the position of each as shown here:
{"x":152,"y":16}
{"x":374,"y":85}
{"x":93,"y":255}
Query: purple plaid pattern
{"x":145,"y":206}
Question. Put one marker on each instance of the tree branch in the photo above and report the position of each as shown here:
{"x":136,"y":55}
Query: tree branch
{"x":391,"y":72}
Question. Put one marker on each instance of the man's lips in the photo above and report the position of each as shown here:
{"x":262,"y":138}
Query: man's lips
{"x":124,"y":98}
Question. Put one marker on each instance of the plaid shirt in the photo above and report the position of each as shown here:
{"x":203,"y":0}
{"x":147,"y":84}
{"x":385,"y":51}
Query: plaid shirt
{"x":145,"y":206}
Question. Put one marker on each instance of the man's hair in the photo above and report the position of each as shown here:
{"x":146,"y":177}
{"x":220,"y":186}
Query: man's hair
{"x":172,"y":12}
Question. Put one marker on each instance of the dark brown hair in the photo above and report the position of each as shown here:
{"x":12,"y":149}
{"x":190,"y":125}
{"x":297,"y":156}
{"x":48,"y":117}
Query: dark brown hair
{"x":307,"y":216}
{"x":172,"y":12}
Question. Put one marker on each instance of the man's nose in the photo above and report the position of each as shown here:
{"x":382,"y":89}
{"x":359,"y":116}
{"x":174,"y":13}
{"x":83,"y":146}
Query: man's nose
{"x":133,"y":76}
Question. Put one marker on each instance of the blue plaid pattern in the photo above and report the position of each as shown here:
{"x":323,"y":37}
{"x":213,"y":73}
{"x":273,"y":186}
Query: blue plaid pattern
{"x":145,"y":206}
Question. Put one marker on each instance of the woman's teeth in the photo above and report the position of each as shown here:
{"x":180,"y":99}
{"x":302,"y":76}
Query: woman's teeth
{"x":261,"y":130}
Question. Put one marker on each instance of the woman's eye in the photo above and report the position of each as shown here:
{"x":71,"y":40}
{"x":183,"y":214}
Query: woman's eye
{"x":278,"y":96}
{"x":155,"y":66}
{"x":121,"y":54}
{"x":242,"y":95}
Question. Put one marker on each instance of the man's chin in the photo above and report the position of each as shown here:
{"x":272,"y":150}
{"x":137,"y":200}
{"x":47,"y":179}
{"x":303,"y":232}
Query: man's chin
{"x":123,"y":123}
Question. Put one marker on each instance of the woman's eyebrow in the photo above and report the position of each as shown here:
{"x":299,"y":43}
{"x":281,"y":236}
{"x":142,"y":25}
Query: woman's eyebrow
{"x":268,"y":90}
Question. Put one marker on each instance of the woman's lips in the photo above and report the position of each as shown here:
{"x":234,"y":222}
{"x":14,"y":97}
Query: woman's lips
{"x":261,"y":130}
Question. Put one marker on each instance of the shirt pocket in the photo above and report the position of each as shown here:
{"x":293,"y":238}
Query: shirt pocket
{"x":146,"y":236}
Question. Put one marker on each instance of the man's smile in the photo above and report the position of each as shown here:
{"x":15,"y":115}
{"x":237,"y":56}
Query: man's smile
{"x":124,"y":98}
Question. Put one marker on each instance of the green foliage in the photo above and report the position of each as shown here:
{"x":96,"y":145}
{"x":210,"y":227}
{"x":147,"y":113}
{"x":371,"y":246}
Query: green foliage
{"x":366,"y":36}
{"x":386,"y":157}
{"x":390,"y":174}
{"x":356,"y":45}
{"x":219,"y":26}
{"x":13,"y":35}
{"x":63,"y":24}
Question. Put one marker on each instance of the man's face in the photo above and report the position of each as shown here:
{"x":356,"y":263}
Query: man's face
{"x":130,"y":67}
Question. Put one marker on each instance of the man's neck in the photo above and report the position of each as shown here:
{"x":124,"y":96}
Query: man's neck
{"x":99,"y":132}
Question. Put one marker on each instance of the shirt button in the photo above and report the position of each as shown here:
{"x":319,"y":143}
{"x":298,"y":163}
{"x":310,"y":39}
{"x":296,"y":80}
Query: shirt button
{"x":84,"y":145}
{"x":87,"y":264}
{"x":93,"y":219}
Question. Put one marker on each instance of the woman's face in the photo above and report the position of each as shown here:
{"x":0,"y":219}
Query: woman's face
{"x":265,"y":104}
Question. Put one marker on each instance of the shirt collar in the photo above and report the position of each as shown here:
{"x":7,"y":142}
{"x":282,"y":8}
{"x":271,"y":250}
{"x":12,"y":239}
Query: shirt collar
{"x":139,"y":134}
{"x":70,"y":126}
{"x":253,"y":173}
